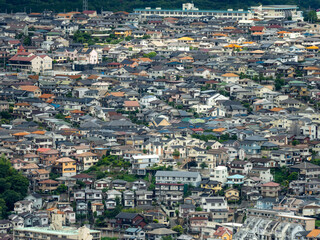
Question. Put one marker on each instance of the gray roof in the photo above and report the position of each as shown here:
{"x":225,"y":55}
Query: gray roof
{"x":177,"y":174}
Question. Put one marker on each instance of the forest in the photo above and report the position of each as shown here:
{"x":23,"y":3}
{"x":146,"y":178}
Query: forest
{"x":128,"y":5}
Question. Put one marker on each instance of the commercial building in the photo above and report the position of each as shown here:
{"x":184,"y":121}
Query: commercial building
{"x":267,"y":12}
{"x":279,"y":12}
{"x":189,"y":10}
{"x":33,"y":233}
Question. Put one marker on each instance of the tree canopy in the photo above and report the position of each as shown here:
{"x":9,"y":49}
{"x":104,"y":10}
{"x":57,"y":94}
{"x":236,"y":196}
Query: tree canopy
{"x":126,"y":5}
{"x":13,"y":187}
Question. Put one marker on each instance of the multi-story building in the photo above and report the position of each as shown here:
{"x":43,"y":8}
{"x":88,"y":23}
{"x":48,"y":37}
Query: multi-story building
{"x":220,"y":174}
{"x":26,"y":61}
{"x":55,"y":232}
{"x":189,"y":10}
{"x":192,"y":178}
{"x":278,"y":12}
{"x":86,"y":160}
{"x":270,"y":189}
{"x":261,"y":228}
{"x":217,"y":206}
{"x":142,"y":162}
{"x":66,"y":167}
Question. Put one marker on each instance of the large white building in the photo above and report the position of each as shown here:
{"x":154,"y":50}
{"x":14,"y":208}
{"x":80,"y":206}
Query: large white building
{"x":267,"y":12}
{"x":189,"y":10}
{"x":52,"y":232}
{"x":279,"y":12}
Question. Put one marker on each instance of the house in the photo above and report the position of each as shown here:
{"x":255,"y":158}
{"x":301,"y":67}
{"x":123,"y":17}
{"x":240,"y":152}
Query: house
{"x":223,"y":233}
{"x":87,"y":55}
{"x":160,"y":233}
{"x":23,"y":206}
{"x":220,"y":174}
{"x":48,"y":185}
{"x":66,"y":167}
{"x":36,"y":199}
{"x":160,"y":122}
{"x":134,"y":233}
{"x":239,"y":167}
{"x":236,"y":179}
{"x":193,"y":178}
{"x":185,"y":209}
{"x":217,"y":206}
{"x":5,"y":227}
{"x":119,"y":184}
{"x":86,"y":160}
{"x":143,"y":197}
{"x":230,"y":77}
{"x":197,"y":223}
{"x":232,"y":194}
{"x":141,"y":163}
{"x":128,"y":199}
{"x":131,"y":105}
{"x":33,"y":91}
{"x":113,"y":194}
{"x":306,"y":170}
{"x":214,"y":186}
{"x":270,"y":189}
{"x":102,"y":183}
{"x":30,"y":62}
{"x":126,"y":220}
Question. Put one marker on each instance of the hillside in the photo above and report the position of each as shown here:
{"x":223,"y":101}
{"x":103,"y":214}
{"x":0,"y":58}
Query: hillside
{"x":127,"y":5}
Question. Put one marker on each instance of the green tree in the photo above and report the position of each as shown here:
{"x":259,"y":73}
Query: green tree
{"x":27,"y":41}
{"x":279,"y":82}
{"x":176,"y":153}
{"x":62,"y":189}
{"x":69,"y":94}
{"x":311,"y":16}
{"x":19,"y":184}
{"x":198,"y":209}
{"x":5,"y":115}
{"x":316,"y":161}
{"x":80,"y":184}
{"x":4,"y":185}
{"x":179,"y":229}
{"x":177,"y":213}
{"x":3,"y":208}
{"x":150,"y":54}
{"x":10,"y":198}
{"x":293,"y":176}
{"x":167,"y":238}
{"x":100,"y":174}
{"x":295,"y":142}
{"x":203,"y":165}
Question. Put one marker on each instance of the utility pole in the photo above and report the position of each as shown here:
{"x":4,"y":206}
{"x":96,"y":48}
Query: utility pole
{"x":85,"y":5}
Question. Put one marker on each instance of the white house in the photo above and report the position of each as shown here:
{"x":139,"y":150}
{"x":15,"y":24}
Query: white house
{"x":211,"y":101}
{"x":230,"y":77}
{"x":145,"y":101}
{"x":193,"y":178}
{"x":23,"y":206}
{"x":220,"y":174}
{"x":142,"y":162}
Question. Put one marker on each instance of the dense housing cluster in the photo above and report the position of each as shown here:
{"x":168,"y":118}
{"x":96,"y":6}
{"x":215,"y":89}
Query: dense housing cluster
{"x":160,"y":124}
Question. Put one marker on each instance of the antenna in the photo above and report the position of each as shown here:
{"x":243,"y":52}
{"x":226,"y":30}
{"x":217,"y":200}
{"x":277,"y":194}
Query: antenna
{"x":85,"y":5}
